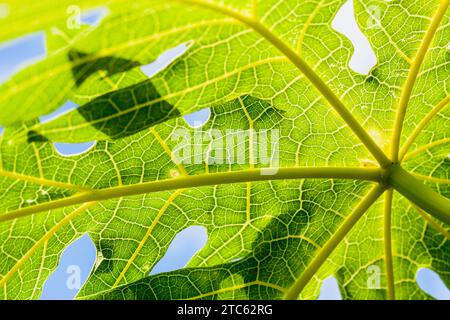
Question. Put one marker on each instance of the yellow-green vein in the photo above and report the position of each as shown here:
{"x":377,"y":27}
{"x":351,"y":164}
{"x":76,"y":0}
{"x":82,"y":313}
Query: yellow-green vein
{"x":147,"y":235}
{"x":307,"y":24}
{"x":431,"y":222}
{"x":323,"y":254}
{"x":412,"y":77}
{"x":43,"y":182}
{"x":388,"y":243}
{"x":318,"y":83}
{"x":44,"y":239}
{"x":425,"y":148}
{"x":425,"y":121}
{"x":369,"y":174}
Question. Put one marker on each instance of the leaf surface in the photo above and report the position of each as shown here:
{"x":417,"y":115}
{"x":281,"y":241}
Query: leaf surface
{"x":277,"y":237}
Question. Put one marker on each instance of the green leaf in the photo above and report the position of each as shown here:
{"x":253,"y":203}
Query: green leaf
{"x":334,"y":202}
{"x":29,"y":16}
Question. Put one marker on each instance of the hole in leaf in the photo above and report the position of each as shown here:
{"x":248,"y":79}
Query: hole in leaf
{"x":19,"y":53}
{"x":94,"y":16}
{"x":183,"y":247}
{"x":1,"y":130}
{"x":73,"y":149}
{"x":64,"y":149}
{"x":330,"y":290}
{"x":74,"y":267}
{"x":199,"y":118}
{"x":363,"y":58}
{"x":164,"y":60}
{"x":430,"y":282}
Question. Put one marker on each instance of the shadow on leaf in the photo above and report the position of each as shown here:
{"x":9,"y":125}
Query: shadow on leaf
{"x":116,"y":114}
{"x":91,"y":64}
{"x":127,"y":111}
{"x":281,"y":249}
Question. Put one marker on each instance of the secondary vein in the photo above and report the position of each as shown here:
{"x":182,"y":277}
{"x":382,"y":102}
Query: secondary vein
{"x":44,"y":239}
{"x":40,"y":181}
{"x":412,"y":77}
{"x":425,"y":121}
{"x":388,"y":243}
{"x":323,"y":254}
{"x":146,"y":236}
{"x":436,"y":226}
{"x":313,"y":77}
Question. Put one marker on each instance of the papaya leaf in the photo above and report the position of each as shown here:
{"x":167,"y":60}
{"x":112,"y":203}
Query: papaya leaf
{"x":305,"y":168}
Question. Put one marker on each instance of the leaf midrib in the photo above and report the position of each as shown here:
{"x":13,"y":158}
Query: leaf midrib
{"x":264,"y":174}
{"x":303,"y":67}
{"x":412,"y":77}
